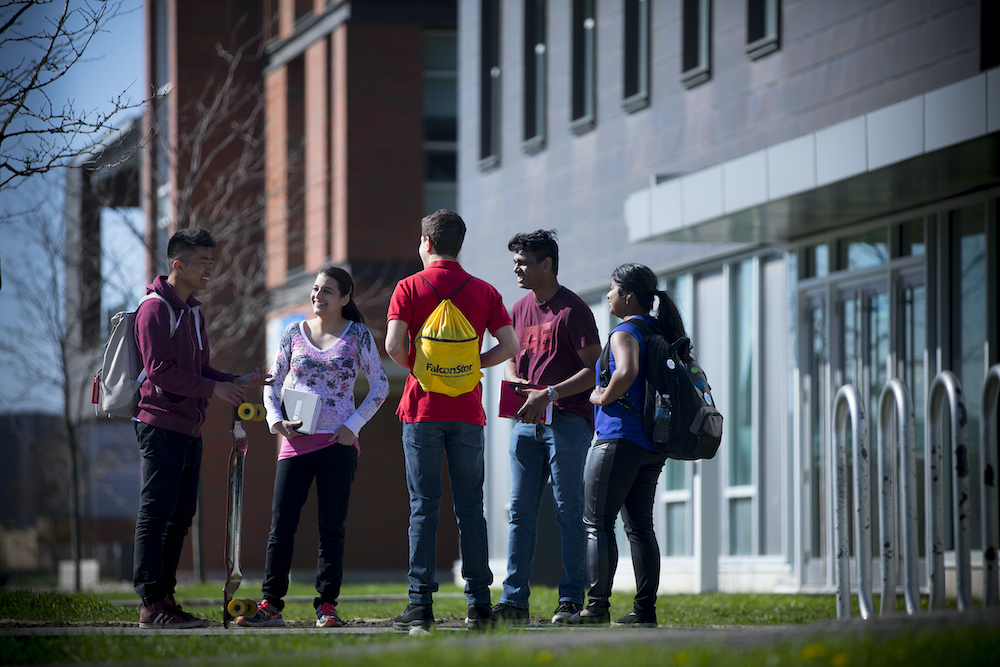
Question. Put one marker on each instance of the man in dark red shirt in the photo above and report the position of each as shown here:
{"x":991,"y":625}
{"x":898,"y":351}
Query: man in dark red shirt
{"x":436,"y":424}
{"x":559,"y":345}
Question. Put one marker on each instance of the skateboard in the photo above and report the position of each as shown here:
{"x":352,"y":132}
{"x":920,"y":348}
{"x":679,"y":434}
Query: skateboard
{"x":234,"y":523}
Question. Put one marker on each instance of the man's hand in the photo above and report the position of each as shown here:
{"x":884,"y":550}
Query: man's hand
{"x":229,"y":392}
{"x":533,"y":410}
{"x":258,"y":378}
{"x":287,"y":428}
{"x":343,"y":436}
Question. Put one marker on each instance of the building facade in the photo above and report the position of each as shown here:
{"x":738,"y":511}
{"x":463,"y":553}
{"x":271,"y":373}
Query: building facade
{"x":301,"y":132}
{"x":817,"y":185}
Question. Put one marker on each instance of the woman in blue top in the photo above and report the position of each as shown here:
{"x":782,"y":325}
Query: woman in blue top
{"x":623,"y":467}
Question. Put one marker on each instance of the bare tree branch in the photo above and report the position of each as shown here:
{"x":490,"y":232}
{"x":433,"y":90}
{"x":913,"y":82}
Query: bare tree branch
{"x":42,"y":40}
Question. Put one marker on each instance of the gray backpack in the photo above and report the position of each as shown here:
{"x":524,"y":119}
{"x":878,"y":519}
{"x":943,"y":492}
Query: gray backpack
{"x":116,"y":385}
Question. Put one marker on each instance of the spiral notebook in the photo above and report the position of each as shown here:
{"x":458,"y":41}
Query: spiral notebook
{"x":301,"y":406}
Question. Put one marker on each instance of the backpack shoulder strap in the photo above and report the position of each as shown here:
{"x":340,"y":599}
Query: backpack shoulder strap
{"x":438,"y":295}
{"x":460,"y":288}
{"x":174,"y":320}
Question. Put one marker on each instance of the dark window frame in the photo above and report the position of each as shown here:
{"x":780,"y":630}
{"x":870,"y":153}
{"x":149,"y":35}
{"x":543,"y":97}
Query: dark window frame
{"x":635,"y":82}
{"x":535,"y":74}
{"x":763,"y":27}
{"x":489,"y":84}
{"x":583,"y":95}
{"x":696,"y":42}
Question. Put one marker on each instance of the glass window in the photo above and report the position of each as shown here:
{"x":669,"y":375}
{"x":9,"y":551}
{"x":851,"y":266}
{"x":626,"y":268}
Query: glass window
{"x":677,"y":529}
{"x":584,"y":37}
{"x":740,"y":527}
{"x":534,"y":74}
{"x":440,"y":119}
{"x":695,"y":37}
{"x":741,"y":444}
{"x":913,"y":334}
{"x":969,"y":308}
{"x":818,"y":359}
{"x":763,"y":23}
{"x":817,"y":261}
{"x":860,"y":250}
{"x":489,"y":83}
{"x":636,"y":80}
{"x":442,"y":167}
{"x":911,"y":238}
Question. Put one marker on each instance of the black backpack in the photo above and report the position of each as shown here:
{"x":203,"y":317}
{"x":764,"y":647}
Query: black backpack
{"x":679,"y":416}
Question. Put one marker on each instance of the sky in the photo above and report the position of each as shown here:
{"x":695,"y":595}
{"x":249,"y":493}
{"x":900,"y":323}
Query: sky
{"x":113,"y":65}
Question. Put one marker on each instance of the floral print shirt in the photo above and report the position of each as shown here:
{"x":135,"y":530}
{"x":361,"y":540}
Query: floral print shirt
{"x":330,"y":373}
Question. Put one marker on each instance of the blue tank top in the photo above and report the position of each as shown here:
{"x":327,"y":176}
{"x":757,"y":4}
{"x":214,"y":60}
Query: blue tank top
{"x":614,"y":421}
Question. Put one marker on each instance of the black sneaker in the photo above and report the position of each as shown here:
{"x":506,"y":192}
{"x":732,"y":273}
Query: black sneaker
{"x":564,"y":611}
{"x":480,"y":617}
{"x":415,"y":616}
{"x":590,"y":615}
{"x":637,"y":620}
{"x":510,"y":615}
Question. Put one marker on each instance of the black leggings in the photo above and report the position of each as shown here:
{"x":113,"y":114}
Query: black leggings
{"x":621,"y":475}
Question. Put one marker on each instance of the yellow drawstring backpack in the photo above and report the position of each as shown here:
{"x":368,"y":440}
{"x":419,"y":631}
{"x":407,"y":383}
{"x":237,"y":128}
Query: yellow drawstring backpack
{"x":447,"y":360}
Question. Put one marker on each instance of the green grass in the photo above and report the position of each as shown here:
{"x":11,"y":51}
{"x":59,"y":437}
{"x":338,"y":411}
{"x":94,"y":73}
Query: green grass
{"x":965,"y":646}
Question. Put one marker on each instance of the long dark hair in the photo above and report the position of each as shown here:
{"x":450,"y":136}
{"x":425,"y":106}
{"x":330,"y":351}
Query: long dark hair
{"x":346,"y":285}
{"x":640,"y":281}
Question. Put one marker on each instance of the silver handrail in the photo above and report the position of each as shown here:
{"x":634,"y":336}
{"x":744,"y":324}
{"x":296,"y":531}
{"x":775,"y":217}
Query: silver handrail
{"x":895,"y":401}
{"x":989,"y":454}
{"x":848,"y":403}
{"x":947,"y":386}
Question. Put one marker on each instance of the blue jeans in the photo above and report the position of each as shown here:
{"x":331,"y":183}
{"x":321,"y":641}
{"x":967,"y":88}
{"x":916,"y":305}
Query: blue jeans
{"x":171,"y":466}
{"x":537,"y":451}
{"x":333,"y":468}
{"x":424,"y":446}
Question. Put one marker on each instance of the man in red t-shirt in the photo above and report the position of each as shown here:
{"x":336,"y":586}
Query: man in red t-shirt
{"x":559,"y":347}
{"x":436,"y":424}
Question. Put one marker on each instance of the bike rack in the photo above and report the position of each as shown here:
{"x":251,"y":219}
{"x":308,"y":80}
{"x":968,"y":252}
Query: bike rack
{"x":989,"y":454}
{"x":895,"y":401}
{"x":848,"y":403}
{"x":947,"y":386}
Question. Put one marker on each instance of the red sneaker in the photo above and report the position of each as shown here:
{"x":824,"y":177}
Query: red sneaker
{"x":266,"y":616}
{"x":327,"y":617}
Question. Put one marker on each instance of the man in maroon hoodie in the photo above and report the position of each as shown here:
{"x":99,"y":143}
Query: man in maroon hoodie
{"x":173,"y":344}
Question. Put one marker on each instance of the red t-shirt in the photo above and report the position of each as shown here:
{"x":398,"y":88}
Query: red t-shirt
{"x":412,"y":302}
{"x":550,"y":334}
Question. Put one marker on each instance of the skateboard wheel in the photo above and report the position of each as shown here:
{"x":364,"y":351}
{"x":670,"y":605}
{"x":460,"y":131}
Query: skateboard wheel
{"x":261,"y":413}
{"x":251,"y":606}
{"x":237,"y":607}
{"x":246,"y":411}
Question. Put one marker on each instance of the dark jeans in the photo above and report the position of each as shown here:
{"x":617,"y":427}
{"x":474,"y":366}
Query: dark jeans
{"x":621,"y":475}
{"x":425,"y":445}
{"x":171,"y":465}
{"x":333,"y":468}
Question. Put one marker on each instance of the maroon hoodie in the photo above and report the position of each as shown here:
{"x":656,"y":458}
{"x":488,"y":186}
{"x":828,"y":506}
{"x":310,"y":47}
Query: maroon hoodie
{"x":179,"y":381}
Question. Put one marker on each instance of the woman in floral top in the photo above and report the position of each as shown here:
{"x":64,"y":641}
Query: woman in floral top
{"x":321,"y":355}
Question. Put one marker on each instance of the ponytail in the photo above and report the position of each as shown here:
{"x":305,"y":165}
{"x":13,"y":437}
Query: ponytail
{"x":641,"y":282}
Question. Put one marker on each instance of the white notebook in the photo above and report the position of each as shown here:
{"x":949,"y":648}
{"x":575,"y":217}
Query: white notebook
{"x":301,"y":406}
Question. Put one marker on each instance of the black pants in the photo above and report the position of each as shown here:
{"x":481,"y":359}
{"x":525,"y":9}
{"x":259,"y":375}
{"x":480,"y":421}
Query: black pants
{"x":621,"y":476}
{"x":171,"y":465}
{"x":333,"y":468}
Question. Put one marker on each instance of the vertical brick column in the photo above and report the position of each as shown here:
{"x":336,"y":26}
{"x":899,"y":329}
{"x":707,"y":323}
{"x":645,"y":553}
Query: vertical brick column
{"x":316,"y":140}
{"x":276,"y":176}
{"x":338,"y":145}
